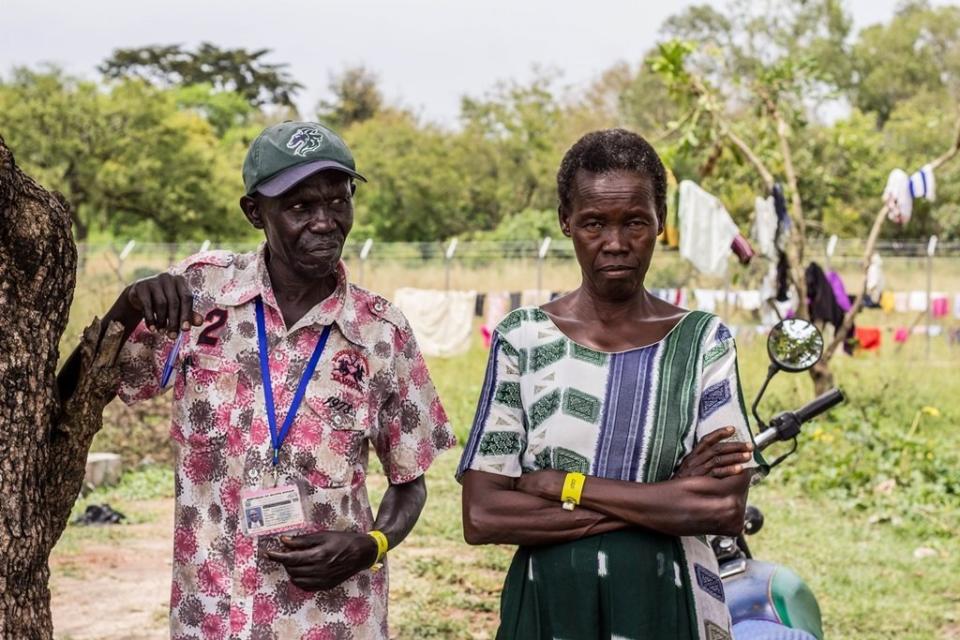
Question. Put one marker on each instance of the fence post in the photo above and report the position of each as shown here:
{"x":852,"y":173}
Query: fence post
{"x":931,"y":249}
{"x":831,"y":249}
{"x":451,"y":250}
{"x":364,"y":253}
{"x":127,"y":250}
{"x":541,"y":255}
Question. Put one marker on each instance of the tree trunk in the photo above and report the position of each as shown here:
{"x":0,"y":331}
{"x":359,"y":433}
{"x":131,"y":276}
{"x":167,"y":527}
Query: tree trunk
{"x":822,"y":377}
{"x":42,"y":449}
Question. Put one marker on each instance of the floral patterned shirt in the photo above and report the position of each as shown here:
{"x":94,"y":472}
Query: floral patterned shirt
{"x":371,"y":388}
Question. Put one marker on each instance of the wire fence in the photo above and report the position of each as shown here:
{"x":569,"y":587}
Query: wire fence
{"x":487,"y":267}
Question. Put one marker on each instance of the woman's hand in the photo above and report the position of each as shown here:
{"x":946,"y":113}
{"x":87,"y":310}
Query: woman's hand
{"x":715,"y":458}
{"x":546,"y":484}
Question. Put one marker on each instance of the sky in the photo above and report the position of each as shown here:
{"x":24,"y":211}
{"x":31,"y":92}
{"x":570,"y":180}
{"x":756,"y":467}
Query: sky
{"x":427,"y":53}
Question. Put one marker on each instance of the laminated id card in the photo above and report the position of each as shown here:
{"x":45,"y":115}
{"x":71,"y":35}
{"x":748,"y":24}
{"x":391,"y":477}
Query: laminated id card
{"x":266,"y":512}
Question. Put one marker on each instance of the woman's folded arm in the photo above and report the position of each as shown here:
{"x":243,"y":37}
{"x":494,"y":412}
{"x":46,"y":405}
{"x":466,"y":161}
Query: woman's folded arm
{"x":495,"y":512}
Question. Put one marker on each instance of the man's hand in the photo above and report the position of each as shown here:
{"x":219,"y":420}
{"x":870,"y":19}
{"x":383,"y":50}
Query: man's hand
{"x":321,"y":561}
{"x":165,"y":302}
{"x":713,"y":457}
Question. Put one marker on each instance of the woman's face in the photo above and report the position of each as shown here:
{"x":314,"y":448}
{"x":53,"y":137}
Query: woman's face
{"x":612,"y":219}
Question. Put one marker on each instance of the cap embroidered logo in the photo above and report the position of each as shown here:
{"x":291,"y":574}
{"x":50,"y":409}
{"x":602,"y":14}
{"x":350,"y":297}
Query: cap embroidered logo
{"x":305,"y":140}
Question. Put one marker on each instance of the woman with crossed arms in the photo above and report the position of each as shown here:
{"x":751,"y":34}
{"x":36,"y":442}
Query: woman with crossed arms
{"x":611,"y":436}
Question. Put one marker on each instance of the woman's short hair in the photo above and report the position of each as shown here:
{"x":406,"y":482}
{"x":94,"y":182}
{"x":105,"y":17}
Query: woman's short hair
{"x":613,"y":150}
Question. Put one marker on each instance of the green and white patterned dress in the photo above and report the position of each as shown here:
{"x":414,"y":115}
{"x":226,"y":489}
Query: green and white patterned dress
{"x":550,"y":403}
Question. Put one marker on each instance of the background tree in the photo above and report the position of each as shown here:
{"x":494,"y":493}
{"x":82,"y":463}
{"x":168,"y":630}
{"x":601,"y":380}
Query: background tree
{"x":240,"y":71}
{"x":132,"y":159}
{"x":356,"y":98}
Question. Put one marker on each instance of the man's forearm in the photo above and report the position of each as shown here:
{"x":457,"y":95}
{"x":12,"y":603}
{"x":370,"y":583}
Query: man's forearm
{"x":400,"y":509}
{"x":121,"y":311}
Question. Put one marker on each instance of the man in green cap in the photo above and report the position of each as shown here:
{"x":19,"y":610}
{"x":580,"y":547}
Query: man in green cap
{"x":284,"y":375}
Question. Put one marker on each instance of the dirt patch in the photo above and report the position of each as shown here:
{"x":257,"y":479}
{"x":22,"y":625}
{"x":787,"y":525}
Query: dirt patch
{"x":114,"y":581}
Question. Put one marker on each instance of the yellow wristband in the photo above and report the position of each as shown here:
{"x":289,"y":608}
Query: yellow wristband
{"x":382,"y":545}
{"x":572,"y":488}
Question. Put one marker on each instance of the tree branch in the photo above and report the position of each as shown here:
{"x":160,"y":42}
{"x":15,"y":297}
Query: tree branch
{"x":949,"y":155}
{"x":81,"y":419}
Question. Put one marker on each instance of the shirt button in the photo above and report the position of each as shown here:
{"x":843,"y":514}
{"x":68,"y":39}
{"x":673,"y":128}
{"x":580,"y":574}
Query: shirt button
{"x":252,"y":474}
{"x":378,"y":307}
{"x":337,"y":420}
{"x":279,"y":355}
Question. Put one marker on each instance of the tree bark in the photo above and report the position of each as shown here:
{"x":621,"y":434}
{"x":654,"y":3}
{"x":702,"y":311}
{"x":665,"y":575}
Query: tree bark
{"x":42,"y":448}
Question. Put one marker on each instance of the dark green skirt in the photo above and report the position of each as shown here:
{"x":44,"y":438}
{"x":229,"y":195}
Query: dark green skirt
{"x":623,"y":584}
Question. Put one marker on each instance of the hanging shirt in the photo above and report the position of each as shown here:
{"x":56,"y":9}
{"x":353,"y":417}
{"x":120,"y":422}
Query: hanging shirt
{"x":765,"y":223}
{"x":371,"y":389}
{"x":706,"y":230}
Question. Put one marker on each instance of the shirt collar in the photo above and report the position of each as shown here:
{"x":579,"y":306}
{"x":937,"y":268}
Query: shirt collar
{"x":251,"y":279}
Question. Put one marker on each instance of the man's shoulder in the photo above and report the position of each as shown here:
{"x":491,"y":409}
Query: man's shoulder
{"x":376,"y":308}
{"x":215,"y":259}
{"x":223,"y":275}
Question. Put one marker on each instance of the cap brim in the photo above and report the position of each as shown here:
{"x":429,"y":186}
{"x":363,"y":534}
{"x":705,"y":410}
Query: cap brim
{"x":287,"y":179}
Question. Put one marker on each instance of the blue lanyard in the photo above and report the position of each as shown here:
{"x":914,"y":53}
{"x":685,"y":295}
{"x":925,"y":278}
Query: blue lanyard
{"x":277,"y":437}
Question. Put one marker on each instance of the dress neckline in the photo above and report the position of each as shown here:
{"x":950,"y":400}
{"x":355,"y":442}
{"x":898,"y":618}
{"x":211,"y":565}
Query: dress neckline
{"x":613,"y":353}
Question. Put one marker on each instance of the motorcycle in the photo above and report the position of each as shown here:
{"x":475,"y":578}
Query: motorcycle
{"x":768,"y":601}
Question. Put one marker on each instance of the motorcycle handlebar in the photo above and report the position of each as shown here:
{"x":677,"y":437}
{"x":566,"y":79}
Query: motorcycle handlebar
{"x":787,"y":425}
{"x":819,"y":405}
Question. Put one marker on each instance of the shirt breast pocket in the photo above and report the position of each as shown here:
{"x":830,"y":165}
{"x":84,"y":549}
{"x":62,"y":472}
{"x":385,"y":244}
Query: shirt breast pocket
{"x":205,"y":393}
{"x":339,"y":443}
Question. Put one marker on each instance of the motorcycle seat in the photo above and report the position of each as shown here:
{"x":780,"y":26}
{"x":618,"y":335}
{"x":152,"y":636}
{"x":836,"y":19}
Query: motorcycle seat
{"x":766,"y":630}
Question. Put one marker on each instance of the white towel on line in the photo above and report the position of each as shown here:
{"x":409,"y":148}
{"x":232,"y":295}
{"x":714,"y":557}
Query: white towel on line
{"x":442,"y":321}
{"x":706,"y":229}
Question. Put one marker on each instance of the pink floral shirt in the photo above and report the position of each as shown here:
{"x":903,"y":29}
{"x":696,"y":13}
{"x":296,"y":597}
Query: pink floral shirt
{"x":371,"y":388}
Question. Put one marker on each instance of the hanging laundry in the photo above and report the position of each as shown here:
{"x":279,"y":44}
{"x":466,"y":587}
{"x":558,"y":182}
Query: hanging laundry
{"x":478,"y":309}
{"x":764,"y":231}
{"x":749,"y":300}
{"x":901,"y":335}
{"x":742,"y":249}
{"x":887,"y":303}
{"x":534,"y":297}
{"x":956,"y":306}
{"x":442,"y":321}
{"x":940,"y":306}
{"x":680,"y":298}
{"x":780,"y":206}
{"x":839,"y":291}
{"x":923,"y":184}
{"x":706,"y":229}
{"x":901,"y":302}
{"x":498,"y":306}
{"x":896,"y":197}
{"x":706,"y":299}
{"x":869,"y":338}
{"x":823,"y":302}
{"x":918,"y":301}
{"x":875,"y":280}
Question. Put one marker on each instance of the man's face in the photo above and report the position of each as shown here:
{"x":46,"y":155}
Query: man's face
{"x":306,"y":226}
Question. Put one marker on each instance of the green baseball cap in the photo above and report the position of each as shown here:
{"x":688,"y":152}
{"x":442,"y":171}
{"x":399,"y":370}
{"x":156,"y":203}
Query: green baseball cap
{"x":286,"y":153}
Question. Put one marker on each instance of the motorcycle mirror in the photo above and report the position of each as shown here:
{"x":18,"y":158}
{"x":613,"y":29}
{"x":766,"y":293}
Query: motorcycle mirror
{"x":794,"y":345}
